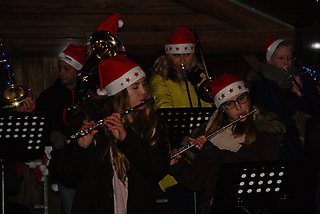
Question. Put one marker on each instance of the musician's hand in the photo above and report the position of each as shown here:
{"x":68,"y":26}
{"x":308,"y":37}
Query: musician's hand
{"x":115,"y":125}
{"x":199,"y":140}
{"x":27,"y":106}
{"x":295,"y":88}
{"x":86,"y":140}
{"x":176,"y":159}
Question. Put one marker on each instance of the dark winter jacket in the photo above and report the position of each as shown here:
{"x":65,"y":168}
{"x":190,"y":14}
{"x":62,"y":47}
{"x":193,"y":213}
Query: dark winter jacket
{"x":93,"y":174}
{"x":202,"y":174}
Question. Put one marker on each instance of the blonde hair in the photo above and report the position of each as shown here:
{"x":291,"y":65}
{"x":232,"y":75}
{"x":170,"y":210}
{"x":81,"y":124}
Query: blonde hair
{"x":167,"y":70}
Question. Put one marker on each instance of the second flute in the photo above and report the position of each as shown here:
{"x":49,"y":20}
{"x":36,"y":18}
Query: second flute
{"x":212,"y":134}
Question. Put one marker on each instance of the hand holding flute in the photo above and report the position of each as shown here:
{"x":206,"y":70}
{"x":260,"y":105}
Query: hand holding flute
{"x":113,"y":123}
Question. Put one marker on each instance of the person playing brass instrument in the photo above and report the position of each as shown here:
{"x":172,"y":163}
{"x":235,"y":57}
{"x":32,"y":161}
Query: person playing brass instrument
{"x":178,"y":73}
{"x":116,"y":166}
{"x":292,"y":99}
{"x":255,"y":137}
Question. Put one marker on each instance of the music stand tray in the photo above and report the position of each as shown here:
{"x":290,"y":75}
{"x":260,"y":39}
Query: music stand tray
{"x":181,"y":121}
{"x":22,"y":135}
{"x":282,"y":186}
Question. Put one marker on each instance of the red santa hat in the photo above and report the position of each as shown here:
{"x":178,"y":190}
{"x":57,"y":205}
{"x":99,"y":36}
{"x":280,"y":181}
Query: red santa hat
{"x":180,"y":41}
{"x":111,"y":24}
{"x":226,"y":86}
{"x":117,"y":73}
{"x":74,"y":55}
{"x":271,"y":46}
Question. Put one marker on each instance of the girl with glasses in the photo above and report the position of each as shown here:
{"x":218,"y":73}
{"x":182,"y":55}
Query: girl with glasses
{"x":253,"y":138}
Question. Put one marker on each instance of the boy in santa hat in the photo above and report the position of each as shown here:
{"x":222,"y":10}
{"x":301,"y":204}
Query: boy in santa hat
{"x":56,"y":100}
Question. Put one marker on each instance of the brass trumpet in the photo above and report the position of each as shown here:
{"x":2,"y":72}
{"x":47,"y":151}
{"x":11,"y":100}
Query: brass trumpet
{"x":101,"y":122}
{"x":211,"y":135}
{"x":13,"y":95}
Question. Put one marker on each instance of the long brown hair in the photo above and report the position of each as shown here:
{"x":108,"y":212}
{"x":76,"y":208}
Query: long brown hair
{"x":143,"y":122}
{"x":240,"y":129}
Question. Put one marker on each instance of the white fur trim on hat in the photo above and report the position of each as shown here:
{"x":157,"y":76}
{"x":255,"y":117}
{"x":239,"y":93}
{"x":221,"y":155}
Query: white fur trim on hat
{"x":71,"y":61}
{"x":124,"y":81}
{"x":179,"y":48}
{"x":272,"y":48}
{"x":229,"y":91}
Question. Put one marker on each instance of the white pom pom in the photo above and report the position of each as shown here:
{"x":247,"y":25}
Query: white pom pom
{"x":38,"y":162}
{"x":120,"y":23}
{"x":55,"y":187}
{"x":102,"y":92}
{"x":42,"y":168}
{"x":32,"y":164}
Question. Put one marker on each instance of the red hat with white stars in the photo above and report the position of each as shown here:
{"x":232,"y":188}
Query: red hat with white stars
{"x":111,"y":24}
{"x":226,"y":86}
{"x":271,"y":46}
{"x":117,"y":73}
{"x":180,"y":41}
{"x":74,"y":55}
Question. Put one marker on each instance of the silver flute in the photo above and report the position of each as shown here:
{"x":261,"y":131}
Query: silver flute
{"x":100,"y":123}
{"x":209,"y":136}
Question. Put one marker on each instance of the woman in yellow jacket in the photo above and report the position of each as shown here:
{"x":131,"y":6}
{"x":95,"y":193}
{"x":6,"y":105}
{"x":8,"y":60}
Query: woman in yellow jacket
{"x":177,"y":75}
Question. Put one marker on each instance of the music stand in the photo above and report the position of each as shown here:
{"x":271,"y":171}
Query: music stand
{"x":181,"y":121}
{"x":22,"y":135}
{"x":283,"y":186}
{"x":21,"y":138}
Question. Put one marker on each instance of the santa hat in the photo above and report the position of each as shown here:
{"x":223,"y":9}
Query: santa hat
{"x":226,"y":86}
{"x":74,"y":55}
{"x":271,"y":45}
{"x":111,"y":24}
{"x":180,"y":41}
{"x":117,"y":73}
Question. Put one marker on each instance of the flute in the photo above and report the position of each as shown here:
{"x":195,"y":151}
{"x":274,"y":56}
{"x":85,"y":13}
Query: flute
{"x":212,"y":134}
{"x":100,"y":123}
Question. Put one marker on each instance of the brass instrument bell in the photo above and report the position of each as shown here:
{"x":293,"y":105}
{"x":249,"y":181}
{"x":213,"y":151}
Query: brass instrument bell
{"x":13,"y":96}
{"x":105,"y":44}
{"x":205,"y":91}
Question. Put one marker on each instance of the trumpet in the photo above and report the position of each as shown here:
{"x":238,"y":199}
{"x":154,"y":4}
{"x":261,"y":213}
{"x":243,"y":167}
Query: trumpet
{"x":101,"y":122}
{"x":211,"y":135}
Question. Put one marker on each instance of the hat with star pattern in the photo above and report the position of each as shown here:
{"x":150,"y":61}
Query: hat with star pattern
{"x":117,"y":73}
{"x":226,"y":86}
{"x":180,"y":41}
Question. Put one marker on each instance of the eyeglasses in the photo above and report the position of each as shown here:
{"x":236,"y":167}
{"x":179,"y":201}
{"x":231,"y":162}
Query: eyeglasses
{"x":242,"y":99}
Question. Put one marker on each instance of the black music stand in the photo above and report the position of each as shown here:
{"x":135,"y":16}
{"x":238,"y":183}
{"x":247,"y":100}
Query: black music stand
{"x":21,"y":138}
{"x":22,"y":135}
{"x":284,"y":186}
{"x":181,"y":121}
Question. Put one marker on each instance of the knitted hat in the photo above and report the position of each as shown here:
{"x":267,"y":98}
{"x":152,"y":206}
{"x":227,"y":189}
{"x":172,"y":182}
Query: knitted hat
{"x":74,"y":55}
{"x":270,"y":47}
{"x":111,"y":24}
{"x":117,"y":73}
{"x":180,"y":41}
{"x":226,"y":86}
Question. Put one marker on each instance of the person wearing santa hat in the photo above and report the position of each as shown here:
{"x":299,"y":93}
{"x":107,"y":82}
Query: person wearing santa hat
{"x":255,"y":137}
{"x":116,"y":166}
{"x":56,"y":100}
{"x":178,"y":73}
{"x":175,"y":80}
{"x":291,"y":98}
